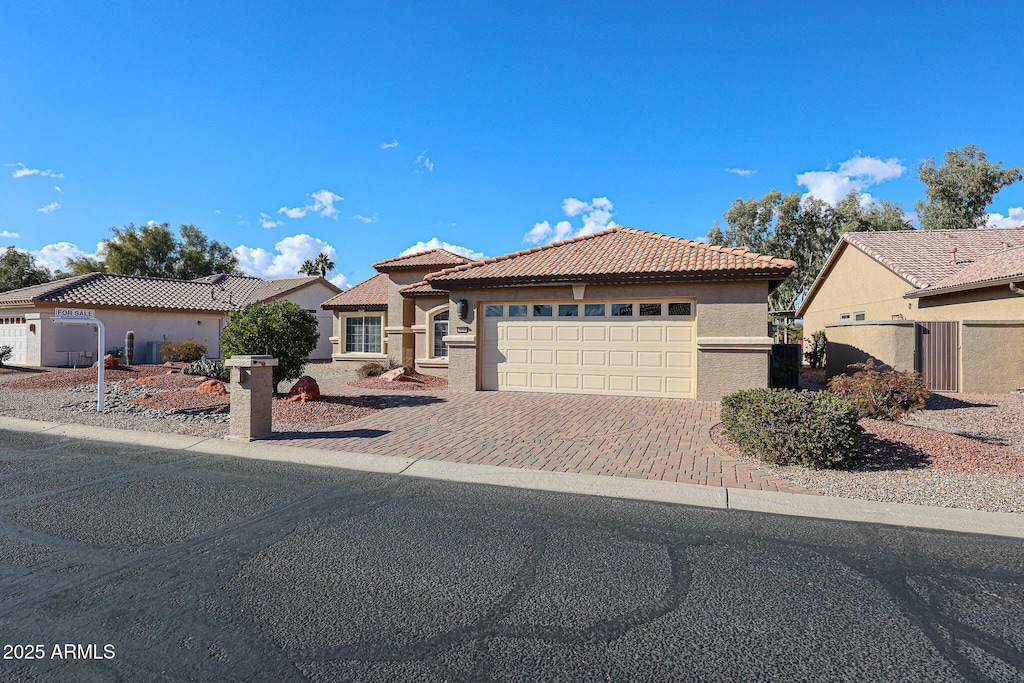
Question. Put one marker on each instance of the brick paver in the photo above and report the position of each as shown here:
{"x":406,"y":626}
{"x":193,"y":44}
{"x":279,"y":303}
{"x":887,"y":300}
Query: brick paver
{"x":645,"y":438}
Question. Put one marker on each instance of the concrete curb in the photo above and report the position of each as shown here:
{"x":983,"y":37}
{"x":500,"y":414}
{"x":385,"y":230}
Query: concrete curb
{"x":771,"y":502}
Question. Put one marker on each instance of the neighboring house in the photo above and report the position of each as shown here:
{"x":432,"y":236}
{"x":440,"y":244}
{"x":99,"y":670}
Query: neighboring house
{"x":618,"y":312}
{"x":945,"y":303}
{"x":158,"y":310}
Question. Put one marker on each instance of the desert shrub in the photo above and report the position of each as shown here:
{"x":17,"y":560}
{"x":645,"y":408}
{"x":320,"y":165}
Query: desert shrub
{"x":204,"y":367}
{"x":5,"y":354}
{"x":182,"y":352}
{"x":781,"y":426}
{"x":882,"y":394}
{"x":281,"y":329}
{"x":815,"y":350}
{"x":377,"y":368}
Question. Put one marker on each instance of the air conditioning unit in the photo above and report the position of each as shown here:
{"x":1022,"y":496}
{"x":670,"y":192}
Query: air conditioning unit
{"x":153,"y":349}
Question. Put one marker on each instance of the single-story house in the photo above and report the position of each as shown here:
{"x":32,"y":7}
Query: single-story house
{"x":618,"y":312}
{"x":158,"y":310}
{"x":948,"y":304}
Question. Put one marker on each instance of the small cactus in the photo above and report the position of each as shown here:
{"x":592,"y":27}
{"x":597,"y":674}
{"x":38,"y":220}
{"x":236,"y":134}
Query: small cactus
{"x":129,"y":348}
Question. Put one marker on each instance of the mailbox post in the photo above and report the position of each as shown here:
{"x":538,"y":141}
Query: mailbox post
{"x":252,"y":392}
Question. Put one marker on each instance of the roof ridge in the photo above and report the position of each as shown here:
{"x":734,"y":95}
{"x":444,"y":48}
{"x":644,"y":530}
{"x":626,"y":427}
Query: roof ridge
{"x":745,"y":252}
{"x":394,"y":259}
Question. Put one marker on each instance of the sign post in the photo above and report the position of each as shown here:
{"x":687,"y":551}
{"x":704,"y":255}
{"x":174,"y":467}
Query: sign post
{"x":86,"y":316}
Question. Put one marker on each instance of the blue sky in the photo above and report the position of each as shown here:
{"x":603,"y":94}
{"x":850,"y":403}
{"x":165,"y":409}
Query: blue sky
{"x":365,"y":130}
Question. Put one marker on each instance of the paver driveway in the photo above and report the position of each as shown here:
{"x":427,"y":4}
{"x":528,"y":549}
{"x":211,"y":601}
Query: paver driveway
{"x":646,"y":438}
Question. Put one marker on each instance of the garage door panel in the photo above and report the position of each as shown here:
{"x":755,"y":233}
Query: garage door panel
{"x":604,"y":355}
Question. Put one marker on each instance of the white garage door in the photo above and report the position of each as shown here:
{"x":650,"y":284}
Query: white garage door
{"x":623,"y":347}
{"x":14,"y":333}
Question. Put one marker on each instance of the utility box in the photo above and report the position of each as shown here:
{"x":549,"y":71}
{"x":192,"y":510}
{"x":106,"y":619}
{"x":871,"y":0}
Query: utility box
{"x":252,"y":392}
{"x":153,"y":349}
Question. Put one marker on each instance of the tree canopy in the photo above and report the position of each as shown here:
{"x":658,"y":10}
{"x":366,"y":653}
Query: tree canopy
{"x":153,"y":251}
{"x":802,"y":229}
{"x":960,"y":191}
{"x":321,"y":265}
{"x":280,"y":328}
{"x":19,"y":269}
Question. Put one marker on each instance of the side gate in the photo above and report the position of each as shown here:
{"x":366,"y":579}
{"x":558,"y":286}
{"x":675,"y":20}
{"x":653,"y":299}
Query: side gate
{"x":937,"y":354}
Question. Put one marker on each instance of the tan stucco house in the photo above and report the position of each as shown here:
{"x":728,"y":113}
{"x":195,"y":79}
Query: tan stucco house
{"x":158,"y":310}
{"x":945,"y":303}
{"x":618,"y":312}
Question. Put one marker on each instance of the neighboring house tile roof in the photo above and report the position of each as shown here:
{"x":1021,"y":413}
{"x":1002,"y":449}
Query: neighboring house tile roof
{"x":435,"y":258}
{"x":422,"y":288}
{"x":368,"y":294}
{"x":214,"y":293}
{"x":616,"y":254}
{"x":997,"y":268}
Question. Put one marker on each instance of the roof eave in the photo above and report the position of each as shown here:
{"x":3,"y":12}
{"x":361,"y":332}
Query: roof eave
{"x":618,"y":278}
{"x":355,"y":307}
{"x":966,"y":287}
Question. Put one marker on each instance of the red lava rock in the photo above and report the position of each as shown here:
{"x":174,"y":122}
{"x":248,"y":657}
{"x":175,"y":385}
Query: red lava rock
{"x":142,"y":380}
{"x":392,"y":375}
{"x":66,"y":378}
{"x":170,"y":372}
{"x":109,"y":362}
{"x":212,"y":386}
{"x":306,"y":389}
{"x":416,"y":381}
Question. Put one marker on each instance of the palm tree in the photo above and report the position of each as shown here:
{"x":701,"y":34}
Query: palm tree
{"x":324,"y":263}
{"x":308,"y":268}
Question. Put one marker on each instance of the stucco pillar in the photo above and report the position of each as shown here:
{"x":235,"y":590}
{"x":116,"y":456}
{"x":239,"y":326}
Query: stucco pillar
{"x":252,"y":392}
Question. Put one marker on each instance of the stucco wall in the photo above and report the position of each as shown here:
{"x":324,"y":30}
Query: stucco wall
{"x":724,"y":309}
{"x":353,"y":361}
{"x":401,"y":339}
{"x":990,"y":303}
{"x":310,"y":298}
{"x":890,"y":342}
{"x":424,"y":307}
{"x":991,"y":356}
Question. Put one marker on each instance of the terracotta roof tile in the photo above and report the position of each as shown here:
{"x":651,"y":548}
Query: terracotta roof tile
{"x":618,"y":252}
{"x":1006,"y":265}
{"x":422,"y":288}
{"x":435,"y":258}
{"x":371,"y":294}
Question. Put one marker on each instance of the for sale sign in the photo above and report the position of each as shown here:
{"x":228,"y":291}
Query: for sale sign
{"x":74,"y":314}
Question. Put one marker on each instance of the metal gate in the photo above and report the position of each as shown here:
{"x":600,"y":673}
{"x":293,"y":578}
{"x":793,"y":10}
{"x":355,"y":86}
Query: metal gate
{"x":937,"y":355}
{"x":785,"y":366}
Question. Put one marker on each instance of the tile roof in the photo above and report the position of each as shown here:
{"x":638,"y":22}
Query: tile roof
{"x":422,"y":288}
{"x":615,"y":254}
{"x":924,"y":257}
{"x":1002,"y":266}
{"x":435,"y":258}
{"x":213,"y":293}
{"x":370,"y":294}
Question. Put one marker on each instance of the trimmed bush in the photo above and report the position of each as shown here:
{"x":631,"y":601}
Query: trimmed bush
{"x":204,"y":367}
{"x":5,"y":354}
{"x":810,"y":428}
{"x":280,"y":328}
{"x":182,"y":352}
{"x":377,"y":368}
{"x":882,"y":394}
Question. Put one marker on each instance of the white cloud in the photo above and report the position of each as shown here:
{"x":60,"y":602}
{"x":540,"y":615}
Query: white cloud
{"x":365,"y":219}
{"x":1014,"y":218}
{"x":217,"y":211}
{"x":435,"y":243}
{"x":854,"y":175}
{"x":389,"y":145}
{"x":323,"y":204}
{"x":49,"y":208}
{"x":741,"y":171}
{"x":424,"y":161}
{"x":597,"y":216}
{"x":8,"y":234}
{"x":340,"y":280}
{"x":268,"y":222}
{"x":21,"y":171}
{"x":57,"y":187}
{"x":286,"y":258}
{"x":55,"y":256}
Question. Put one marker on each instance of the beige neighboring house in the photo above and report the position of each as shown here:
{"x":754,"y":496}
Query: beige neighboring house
{"x":948,"y":304}
{"x":618,"y":312}
{"x":158,"y":310}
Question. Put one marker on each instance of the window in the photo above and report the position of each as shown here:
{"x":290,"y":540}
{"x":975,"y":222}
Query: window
{"x":542,"y":310}
{"x":363,"y":334}
{"x":859,"y":315}
{"x":844,"y":316}
{"x":568,"y":310}
{"x":440,"y":332}
{"x":650,"y":309}
{"x":622,"y":309}
{"x":593,"y":310}
{"x":494,"y":311}
{"x":517,"y":310}
{"x":683,"y":308}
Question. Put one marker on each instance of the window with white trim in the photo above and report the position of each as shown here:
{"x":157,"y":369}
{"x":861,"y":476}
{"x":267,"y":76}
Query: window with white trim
{"x":364,"y":334}
{"x":440,"y":331}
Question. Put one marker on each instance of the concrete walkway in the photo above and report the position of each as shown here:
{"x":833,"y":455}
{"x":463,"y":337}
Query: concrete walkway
{"x":636,"y":438}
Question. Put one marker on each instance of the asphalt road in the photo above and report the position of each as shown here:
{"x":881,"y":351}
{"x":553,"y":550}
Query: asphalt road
{"x":198,"y":567}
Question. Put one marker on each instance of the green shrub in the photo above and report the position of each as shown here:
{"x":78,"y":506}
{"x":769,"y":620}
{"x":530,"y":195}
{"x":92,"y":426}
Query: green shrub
{"x":182,"y":352}
{"x":377,"y":368}
{"x":815,"y":350}
{"x":281,"y":329}
{"x":5,"y":354}
{"x":204,"y":367}
{"x":882,"y":394}
{"x":781,"y":426}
